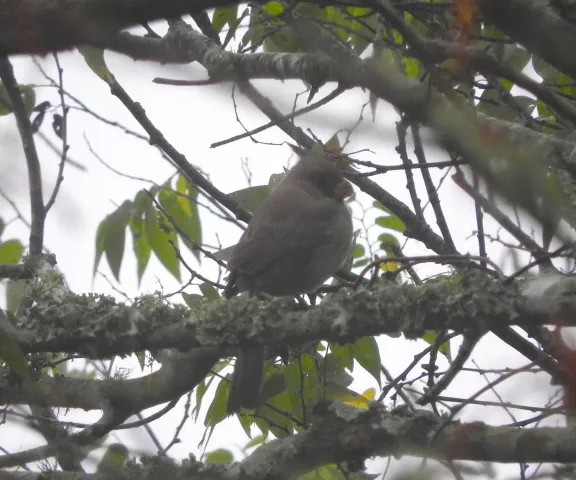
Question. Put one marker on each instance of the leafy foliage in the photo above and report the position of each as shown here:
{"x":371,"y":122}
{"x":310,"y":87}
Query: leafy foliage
{"x":153,"y":231}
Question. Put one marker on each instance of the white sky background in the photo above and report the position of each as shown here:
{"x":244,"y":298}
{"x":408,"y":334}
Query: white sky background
{"x":192,"y":118}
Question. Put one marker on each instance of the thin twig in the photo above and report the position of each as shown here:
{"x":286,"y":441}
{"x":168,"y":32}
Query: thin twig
{"x":331,"y":96}
{"x":431,"y":189}
{"x":193,"y":175}
{"x":402,"y":151}
{"x":63,"y":137}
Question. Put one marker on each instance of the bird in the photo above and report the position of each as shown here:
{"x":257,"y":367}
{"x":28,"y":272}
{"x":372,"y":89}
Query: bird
{"x":298,"y":237}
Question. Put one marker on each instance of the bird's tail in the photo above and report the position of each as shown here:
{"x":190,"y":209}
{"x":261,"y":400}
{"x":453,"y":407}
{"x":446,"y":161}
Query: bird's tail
{"x":246,"y":380}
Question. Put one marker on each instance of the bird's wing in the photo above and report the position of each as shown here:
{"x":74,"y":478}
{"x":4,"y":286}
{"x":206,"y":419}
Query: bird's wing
{"x":290,"y":220}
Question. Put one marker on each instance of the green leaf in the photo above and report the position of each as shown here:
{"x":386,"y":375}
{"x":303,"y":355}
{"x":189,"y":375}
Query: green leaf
{"x":159,"y":237}
{"x":113,"y":461}
{"x":274,"y":385}
{"x":430,"y":337}
{"x":219,"y":456}
{"x":223,"y":16}
{"x":333,"y":144}
{"x":336,"y":391}
{"x":11,"y":251}
{"x":141,"y":247}
{"x":517,"y":56}
{"x":142,"y":203}
{"x":328,"y":472}
{"x":250,"y":198}
{"x":272,"y":415}
{"x":392,"y":222}
{"x":14,"y":291}
{"x":359,"y":251}
{"x":141,"y":356}
{"x":94,"y":58}
{"x":234,"y":24}
{"x":334,"y":370}
{"x":565,"y":84}
{"x":255,"y":31}
{"x":217,"y":409}
{"x":358,"y":11}
{"x":379,"y":206}
{"x":246,"y":422}
{"x":367,"y":354}
{"x":387,"y":239}
{"x":183,"y":213}
{"x":344,"y":355}
{"x":193,"y":300}
{"x":527,"y":104}
{"x":283,"y":40}
{"x":100,"y":235}
{"x":115,"y":237}
{"x":491,"y":104}
{"x":361,"y":263}
{"x":5,"y":102}
{"x":28,"y":97}
{"x":543,"y":109}
{"x":544,"y":69}
{"x":366,"y":28}
{"x":12,"y":355}
{"x":201,"y":390}
{"x":209,"y":291}
{"x":255,"y":441}
{"x":411,"y":67}
{"x":274,"y":8}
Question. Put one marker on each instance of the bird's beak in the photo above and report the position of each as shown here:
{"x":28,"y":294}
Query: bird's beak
{"x":343,"y":190}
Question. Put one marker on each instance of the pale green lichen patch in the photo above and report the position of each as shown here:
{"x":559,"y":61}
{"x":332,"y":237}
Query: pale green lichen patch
{"x":457,"y":302}
{"x":226,"y":320}
{"x":98,"y":319}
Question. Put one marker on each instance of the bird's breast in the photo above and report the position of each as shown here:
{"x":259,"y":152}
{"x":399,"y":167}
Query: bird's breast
{"x":306,"y":267}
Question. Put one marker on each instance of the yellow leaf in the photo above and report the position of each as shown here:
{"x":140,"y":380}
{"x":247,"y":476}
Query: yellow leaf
{"x":389,"y":266}
{"x":356,"y":400}
{"x":370,"y":394}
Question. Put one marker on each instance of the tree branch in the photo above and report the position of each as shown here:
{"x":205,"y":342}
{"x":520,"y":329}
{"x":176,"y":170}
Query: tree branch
{"x":34,"y":172}
{"x":43,"y":26}
{"x":125,"y":397}
{"x":98,"y":326}
{"x":536,"y":26}
{"x":343,"y":433}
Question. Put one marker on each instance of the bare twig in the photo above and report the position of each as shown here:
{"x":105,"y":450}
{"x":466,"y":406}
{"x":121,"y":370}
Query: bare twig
{"x":63,"y":136}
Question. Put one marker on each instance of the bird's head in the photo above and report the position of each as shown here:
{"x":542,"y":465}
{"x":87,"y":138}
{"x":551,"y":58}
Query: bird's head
{"x":317,"y":173}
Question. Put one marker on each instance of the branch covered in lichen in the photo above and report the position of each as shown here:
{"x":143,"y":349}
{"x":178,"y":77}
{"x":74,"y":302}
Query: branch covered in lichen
{"x":342,"y":433}
{"x":98,"y":326}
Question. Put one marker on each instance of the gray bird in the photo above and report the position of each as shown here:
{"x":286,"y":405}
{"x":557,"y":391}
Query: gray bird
{"x":297,"y":239}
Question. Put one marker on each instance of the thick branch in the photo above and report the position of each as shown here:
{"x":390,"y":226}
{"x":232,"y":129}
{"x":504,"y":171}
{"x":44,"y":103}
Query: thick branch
{"x":344,"y":433}
{"x":100,"y":327}
{"x":130,"y":396}
{"x":536,"y":26}
{"x":43,"y":26}
{"x":15,"y":272}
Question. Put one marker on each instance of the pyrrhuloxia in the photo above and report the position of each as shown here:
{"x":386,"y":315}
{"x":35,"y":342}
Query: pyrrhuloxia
{"x":298,"y":238}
